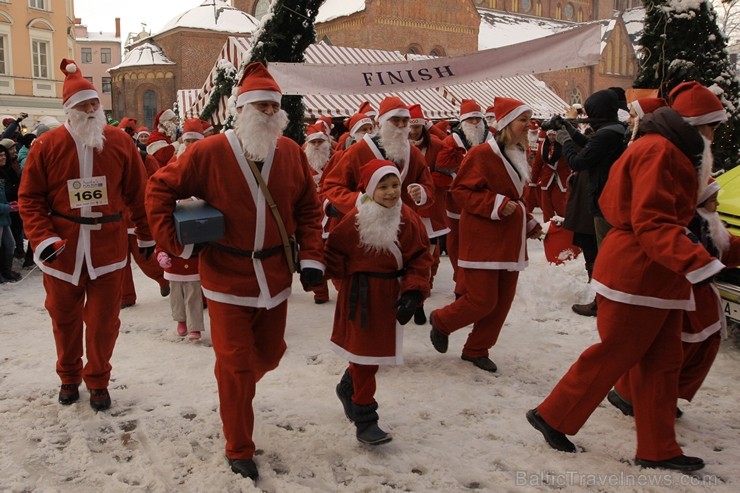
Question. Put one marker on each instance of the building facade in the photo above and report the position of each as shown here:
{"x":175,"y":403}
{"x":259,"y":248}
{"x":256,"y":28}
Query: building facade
{"x":97,"y":52}
{"x":34,"y":36}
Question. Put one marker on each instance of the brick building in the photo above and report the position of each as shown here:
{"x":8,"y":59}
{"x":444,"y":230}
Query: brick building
{"x":97,"y":52}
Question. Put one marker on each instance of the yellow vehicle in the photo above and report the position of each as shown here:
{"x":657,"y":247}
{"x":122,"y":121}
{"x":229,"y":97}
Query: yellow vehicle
{"x":728,"y":281}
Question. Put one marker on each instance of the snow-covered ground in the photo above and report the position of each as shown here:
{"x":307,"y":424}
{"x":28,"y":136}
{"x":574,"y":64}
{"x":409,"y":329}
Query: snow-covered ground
{"x":455,"y":428}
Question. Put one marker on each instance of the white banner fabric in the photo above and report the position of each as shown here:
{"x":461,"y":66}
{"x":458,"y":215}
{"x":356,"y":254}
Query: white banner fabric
{"x":574,"y":48}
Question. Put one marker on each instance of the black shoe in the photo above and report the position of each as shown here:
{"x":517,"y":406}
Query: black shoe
{"x":126,"y":305}
{"x":69,"y":393}
{"x":553,"y":437}
{"x":420,"y":318}
{"x":372,"y":435}
{"x":99,"y":399}
{"x":679,"y":463}
{"x":587,"y":310}
{"x":482,"y":362}
{"x":164,"y":290}
{"x":245,"y":467}
{"x":320,"y":301}
{"x":439,"y":340}
{"x":616,"y":400}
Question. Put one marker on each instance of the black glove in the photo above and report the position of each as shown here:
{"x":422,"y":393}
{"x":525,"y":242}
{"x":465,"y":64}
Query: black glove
{"x":407,"y":305}
{"x":569,"y":127}
{"x":146,"y":251}
{"x":311,"y":277}
{"x":562,"y":136}
{"x":49,"y":254}
{"x":332,"y":211}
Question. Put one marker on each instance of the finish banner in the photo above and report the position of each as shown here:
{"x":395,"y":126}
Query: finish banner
{"x":577,"y":47}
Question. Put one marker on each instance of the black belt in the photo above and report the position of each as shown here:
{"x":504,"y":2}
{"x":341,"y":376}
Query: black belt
{"x":258,"y":254}
{"x":358,"y":291}
{"x":88,"y":220}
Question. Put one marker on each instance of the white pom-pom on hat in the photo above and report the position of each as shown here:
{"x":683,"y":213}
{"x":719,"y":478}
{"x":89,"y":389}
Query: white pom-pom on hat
{"x":71,"y":68}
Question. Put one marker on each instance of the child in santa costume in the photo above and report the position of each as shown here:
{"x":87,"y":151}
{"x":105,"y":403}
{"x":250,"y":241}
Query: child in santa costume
{"x":705,"y":327}
{"x":186,"y":296}
{"x":644,"y":277}
{"x":380,"y":252}
{"x":494,"y":227}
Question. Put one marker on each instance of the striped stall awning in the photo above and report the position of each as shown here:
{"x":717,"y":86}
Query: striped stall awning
{"x":440,"y":103}
{"x":186,"y":99}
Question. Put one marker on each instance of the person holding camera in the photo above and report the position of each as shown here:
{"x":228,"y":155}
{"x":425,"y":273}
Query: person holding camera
{"x":595,"y":155}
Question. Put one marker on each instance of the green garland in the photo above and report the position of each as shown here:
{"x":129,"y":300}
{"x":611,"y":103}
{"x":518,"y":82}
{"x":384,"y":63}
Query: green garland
{"x":225,"y":81}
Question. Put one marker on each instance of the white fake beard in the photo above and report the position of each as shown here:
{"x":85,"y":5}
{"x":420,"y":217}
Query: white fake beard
{"x":518,"y":158}
{"x":88,"y":130}
{"x":258,"y":132}
{"x":717,"y":230}
{"x":378,"y":226}
{"x":474,"y":133}
{"x":169,"y":129}
{"x":707,"y":163}
{"x":318,"y":156}
{"x":395,"y":142}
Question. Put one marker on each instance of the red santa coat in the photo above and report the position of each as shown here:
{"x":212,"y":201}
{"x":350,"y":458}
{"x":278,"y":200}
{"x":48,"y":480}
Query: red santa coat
{"x":449,"y":158}
{"x":182,"y":269}
{"x":341,"y":185}
{"x":56,"y":158}
{"x":434,"y":217}
{"x":215,"y":170}
{"x":547,"y":173}
{"x":658,"y":262}
{"x":380,"y":341}
{"x":484,"y":184}
{"x":160,"y":147}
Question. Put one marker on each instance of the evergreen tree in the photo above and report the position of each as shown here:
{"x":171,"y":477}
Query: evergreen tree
{"x":680,"y":42}
{"x":285,"y":34}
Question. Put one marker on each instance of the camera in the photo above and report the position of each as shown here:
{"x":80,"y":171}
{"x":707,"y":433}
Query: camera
{"x":555,"y":123}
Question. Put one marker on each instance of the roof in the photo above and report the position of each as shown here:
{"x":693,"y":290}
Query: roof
{"x":634,"y":21}
{"x":214,"y":15}
{"x":99,"y":37}
{"x":439,"y":103}
{"x":499,"y":29}
{"x":331,"y":9}
{"x":144,"y":54}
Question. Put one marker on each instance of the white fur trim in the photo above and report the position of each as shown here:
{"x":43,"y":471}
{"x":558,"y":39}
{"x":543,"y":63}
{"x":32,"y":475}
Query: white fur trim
{"x":71,"y":68}
{"x":710,"y":269}
{"x":641,"y":300}
{"x":155,"y":146}
{"x":472,"y":114}
{"x":257,"y":96}
{"x":358,"y":125}
{"x":402,"y":112}
{"x":192,"y":135}
{"x":317,"y":136}
{"x":417,"y":121}
{"x":714,"y":116}
{"x":378,"y":175}
{"x":79,"y":97}
{"x":512,"y":115}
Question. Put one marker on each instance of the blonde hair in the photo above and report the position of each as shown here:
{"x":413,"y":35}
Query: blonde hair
{"x":506,"y":138}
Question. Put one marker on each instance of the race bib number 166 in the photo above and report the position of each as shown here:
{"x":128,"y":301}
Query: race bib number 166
{"x":85,"y":192}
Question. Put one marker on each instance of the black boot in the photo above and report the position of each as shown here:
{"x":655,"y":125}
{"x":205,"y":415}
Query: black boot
{"x":345,"y":391}
{"x":587,"y":310}
{"x":366,"y":421}
{"x":420,"y":318}
{"x":6,"y":270}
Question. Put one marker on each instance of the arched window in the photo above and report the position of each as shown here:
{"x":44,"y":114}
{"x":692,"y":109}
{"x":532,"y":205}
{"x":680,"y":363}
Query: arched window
{"x":150,"y":108}
{"x":576,"y":96}
{"x":261,"y":7}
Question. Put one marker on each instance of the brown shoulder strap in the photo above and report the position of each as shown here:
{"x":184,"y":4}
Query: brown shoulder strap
{"x":275,"y":212}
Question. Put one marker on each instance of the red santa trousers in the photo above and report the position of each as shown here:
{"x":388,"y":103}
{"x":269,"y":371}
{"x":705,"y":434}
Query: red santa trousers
{"x":485,"y":304}
{"x":698,"y":358}
{"x":87,"y":304}
{"x":248,"y":342}
{"x":647,"y":342}
{"x":552,"y":202}
{"x":149,"y":267}
{"x":363,"y":382}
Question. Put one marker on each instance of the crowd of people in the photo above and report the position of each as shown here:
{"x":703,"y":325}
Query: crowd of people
{"x":370,"y":211}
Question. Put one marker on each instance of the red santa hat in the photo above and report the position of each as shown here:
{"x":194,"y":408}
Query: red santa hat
{"x":644,"y":106}
{"x":192,"y":129}
{"x":127,"y":122}
{"x":316,"y":132}
{"x":357,"y":121}
{"x":697,"y":104}
{"x":469,"y":109}
{"x":373,"y":171}
{"x":76,"y":88}
{"x":390,"y":107}
{"x":490,"y":112}
{"x":367,"y":109}
{"x":507,"y":110}
{"x":141,"y":131}
{"x":325,"y":123}
{"x":256,"y":85}
{"x":417,"y":115}
{"x":207,"y":126}
{"x":440,"y":129}
{"x":156,"y":142}
{"x":164,"y":116}
{"x":711,"y":188}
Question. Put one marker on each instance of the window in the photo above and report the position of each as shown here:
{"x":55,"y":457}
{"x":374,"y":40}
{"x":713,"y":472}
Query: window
{"x":3,"y":43}
{"x":86,"y":55}
{"x":40,"y":58}
{"x":89,"y":79}
{"x":576,"y":97}
{"x":104,"y":55}
{"x":150,"y":108}
{"x":106,"y":85}
{"x":38,"y":4}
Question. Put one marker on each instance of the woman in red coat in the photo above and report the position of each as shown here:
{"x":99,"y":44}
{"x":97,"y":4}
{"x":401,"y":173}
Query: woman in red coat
{"x":380,"y":252}
{"x":494,"y":226}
